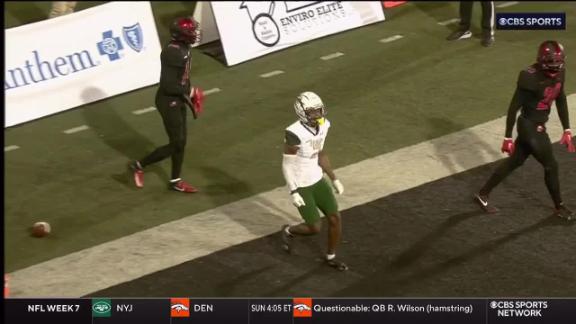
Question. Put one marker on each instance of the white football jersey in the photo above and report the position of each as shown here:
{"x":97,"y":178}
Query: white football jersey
{"x":306,"y":170}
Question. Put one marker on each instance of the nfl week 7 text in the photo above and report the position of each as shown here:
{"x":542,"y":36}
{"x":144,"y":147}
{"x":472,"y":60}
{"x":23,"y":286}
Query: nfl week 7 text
{"x":38,"y":308}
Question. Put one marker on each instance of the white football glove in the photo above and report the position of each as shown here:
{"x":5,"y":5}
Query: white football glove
{"x":338,"y":186}
{"x":297,"y":200}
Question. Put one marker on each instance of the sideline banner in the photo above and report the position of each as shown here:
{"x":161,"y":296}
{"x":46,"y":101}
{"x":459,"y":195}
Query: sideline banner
{"x":204,"y":16}
{"x":65,"y":62}
{"x":249,"y":29}
{"x":392,"y":4}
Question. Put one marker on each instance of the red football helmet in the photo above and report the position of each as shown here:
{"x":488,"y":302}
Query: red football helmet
{"x":551,"y":57}
{"x":186,"y":30}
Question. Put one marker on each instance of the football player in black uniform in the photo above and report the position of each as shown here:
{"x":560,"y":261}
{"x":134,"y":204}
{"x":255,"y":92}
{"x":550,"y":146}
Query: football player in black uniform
{"x":538,"y":87}
{"x":173,"y":97}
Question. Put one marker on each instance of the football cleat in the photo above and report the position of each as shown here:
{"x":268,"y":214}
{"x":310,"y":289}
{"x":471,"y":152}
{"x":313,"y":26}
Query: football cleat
{"x":487,"y":40}
{"x":459,"y":34}
{"x":482,"y":201}
{"x":338,"y":265}
{"x":137,"y":173}
{"x":182,"y":186}
{"x":564,"y":213}
{"x":287,"y":239}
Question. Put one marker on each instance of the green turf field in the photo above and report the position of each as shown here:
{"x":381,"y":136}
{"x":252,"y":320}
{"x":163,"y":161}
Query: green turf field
{"x":380,"y":97}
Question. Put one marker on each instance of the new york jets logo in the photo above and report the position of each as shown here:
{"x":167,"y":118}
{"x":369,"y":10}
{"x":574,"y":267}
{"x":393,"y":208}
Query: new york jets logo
{"x":101,"y":307}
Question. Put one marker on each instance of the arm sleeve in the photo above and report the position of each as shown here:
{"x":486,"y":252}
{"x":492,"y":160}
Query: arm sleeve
{"x":515,"y":105}
{"x":291,"y":139}
{"x":173,"y":65}
{"x":562,"y":107}
{"x":288,"y":165}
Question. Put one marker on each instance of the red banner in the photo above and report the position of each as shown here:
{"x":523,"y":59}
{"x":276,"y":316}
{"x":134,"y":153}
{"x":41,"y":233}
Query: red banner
{"x":390,"y":4}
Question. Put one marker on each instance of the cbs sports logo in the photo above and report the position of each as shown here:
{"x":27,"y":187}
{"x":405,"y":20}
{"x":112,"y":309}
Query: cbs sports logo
{"x":531,"y":21}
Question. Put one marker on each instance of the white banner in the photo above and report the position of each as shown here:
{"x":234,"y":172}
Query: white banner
{"x":72,"y":60}
{"x":205,"y":17}
{"x":250,"y":29}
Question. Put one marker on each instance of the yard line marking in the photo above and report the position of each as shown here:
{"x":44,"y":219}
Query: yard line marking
{"x":271,"y":74}
{"x":143,"y":111}
{"x":391,"y":38}
{"x":449,"y":21}
{"x":76,"y":129}
{"x":11,"y":148}
{"x":331,"y":56}
{"x":211,"y":91}
{"x":507,"y":4}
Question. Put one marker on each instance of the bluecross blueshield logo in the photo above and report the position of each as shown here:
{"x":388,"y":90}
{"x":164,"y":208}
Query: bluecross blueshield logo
{"x":110,"y":45}
{"x":133,"y":36}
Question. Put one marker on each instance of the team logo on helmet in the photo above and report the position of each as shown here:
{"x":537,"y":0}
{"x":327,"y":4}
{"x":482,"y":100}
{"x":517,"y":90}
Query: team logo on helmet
{"x":133,"y":36}
{"x":310,"y":109}
{"x":551,"y":57}
{"x":186,"y":30}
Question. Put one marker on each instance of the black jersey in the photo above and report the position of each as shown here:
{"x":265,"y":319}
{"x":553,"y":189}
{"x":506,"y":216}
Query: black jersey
{"x":175,"y":73}
{"x":535,"y":93}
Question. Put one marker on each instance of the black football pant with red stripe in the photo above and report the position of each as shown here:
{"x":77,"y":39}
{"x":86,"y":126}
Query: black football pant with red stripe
{"x":532,"y":140}
{"x":173,"y":112}
{"x":488,"y":16}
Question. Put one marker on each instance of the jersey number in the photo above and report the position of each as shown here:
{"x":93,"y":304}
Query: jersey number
{"x":550,"y":93}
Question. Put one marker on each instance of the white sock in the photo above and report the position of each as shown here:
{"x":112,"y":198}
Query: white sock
{"x":175,"y":180}
{"x":287,"y":230}
{"x":330,"y":256}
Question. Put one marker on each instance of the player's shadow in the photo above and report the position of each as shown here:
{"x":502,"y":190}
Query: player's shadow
{"x":419,"y":248}
{"x":394,"y":283}
{"x":465,"y":152}
{"x":222,"y":185}
{"x":113,"y":130}
{"x":237,"y":285}
{"x":255,"y":212}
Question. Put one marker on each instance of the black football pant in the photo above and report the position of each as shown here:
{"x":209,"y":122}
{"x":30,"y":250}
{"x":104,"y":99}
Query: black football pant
{"x":173,"y":112}
{"x":488,"y":16}
{"x":531,"y":140}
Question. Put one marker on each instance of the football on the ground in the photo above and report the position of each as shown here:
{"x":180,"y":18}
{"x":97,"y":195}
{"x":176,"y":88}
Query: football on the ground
{"x":40,"y":229}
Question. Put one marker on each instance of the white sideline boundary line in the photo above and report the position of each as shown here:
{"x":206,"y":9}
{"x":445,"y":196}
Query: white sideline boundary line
{"x":131,"y":257}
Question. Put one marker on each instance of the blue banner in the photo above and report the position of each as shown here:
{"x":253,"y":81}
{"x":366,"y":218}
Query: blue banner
{"x":531,"y":21}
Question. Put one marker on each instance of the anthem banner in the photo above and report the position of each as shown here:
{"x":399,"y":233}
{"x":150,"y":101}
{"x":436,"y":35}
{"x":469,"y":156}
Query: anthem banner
{"x":65,"y":62}
{"x":249,"y":29}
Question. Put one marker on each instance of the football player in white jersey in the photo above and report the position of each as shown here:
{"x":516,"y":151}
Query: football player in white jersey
{"x":303,"y":165}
